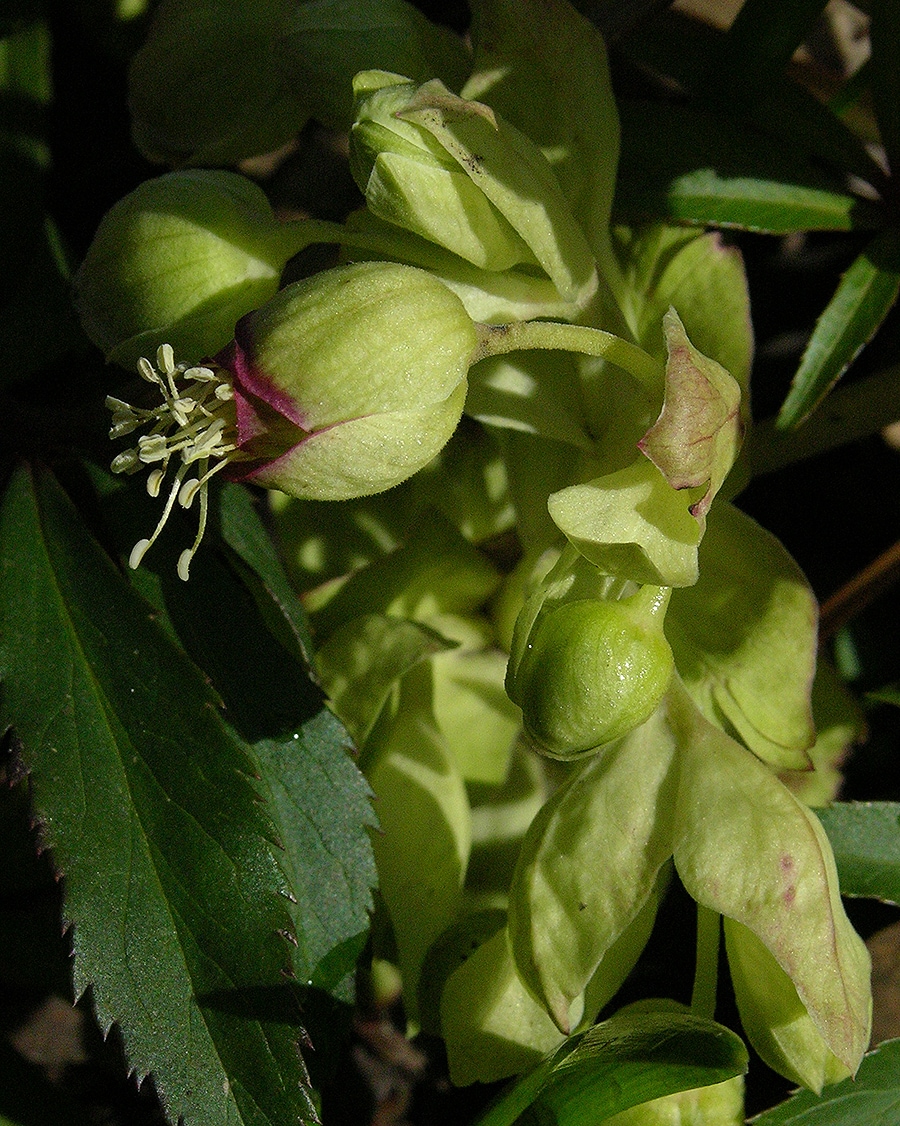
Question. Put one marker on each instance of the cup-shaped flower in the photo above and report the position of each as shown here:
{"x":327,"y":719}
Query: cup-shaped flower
{"x":343,"y":385}
{"x":179,"y":260}
{"x":586,"y":666}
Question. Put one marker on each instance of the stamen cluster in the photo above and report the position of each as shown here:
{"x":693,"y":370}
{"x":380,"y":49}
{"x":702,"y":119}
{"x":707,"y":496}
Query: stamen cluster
{"x":195,"y":424}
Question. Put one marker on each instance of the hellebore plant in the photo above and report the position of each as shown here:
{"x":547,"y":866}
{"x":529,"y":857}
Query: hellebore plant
{"x":501,"y":437}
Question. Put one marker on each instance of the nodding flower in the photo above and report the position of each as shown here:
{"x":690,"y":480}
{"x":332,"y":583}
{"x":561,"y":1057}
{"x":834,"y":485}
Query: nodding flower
{"x":343,"y":385}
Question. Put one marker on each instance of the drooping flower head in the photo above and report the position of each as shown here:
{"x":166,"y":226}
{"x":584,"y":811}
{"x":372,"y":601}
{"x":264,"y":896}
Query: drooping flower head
{"x":341,"y":386}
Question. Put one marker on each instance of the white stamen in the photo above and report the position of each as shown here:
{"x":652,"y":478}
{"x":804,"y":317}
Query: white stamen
{"x":188,"y":491}
{"x":146,"y":370}
{"x":184,"y":564}
{"x":152,"y":447}
{"x":154,"y":481}
{"x":165,"y":359}
{"x":125,"y":462}
{"x":195,"y":421}
{"x":137,"y":554}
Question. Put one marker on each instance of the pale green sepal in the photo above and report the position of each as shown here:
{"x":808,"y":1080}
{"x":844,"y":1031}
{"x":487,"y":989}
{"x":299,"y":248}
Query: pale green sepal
{"x":840,"y":723}
{"x":744,"y":638}
{"x":410,"y":181}
{"x":434,"y":572}
{"x":774,"y":1018}
{"x":631,"y":524}
{"x":360,"y":662}
{"x":543,"y":66}
{"x":422,"y":849}
{"x":501,"y":815}
{"x":492,"y":1026}
{"x":589,"y":863}
{"x":620,"y":959}
{"x":367,"y":455}
{"x":431,"y":201}
{"x":748,"y":849}
{"x":698,"y":435}
{"x":514,"y":175}
{"x":178,"y":261}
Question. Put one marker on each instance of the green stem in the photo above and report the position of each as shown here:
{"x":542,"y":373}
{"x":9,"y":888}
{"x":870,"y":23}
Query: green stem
{"x":703,"y":998}
{"x":497,"y":340}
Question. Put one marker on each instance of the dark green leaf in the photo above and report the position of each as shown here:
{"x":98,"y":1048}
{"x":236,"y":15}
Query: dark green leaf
{"x":871,"y":1099}
{"x":865,"y":837}
{"x":321,"y":805}
{"x":757,"y":47}
{"x":629,"y":1059}
{"x":681,"y":163}
{"x":171,"y":880}
{"x":243,"y":531}
{"x":780,"y":107}
{"x":885,"y":38}
{"x":863,"y":299}
{"x":316,"y":796}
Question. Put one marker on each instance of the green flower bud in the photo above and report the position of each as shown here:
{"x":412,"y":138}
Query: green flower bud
{"x":410,"y":180}
{"x":454,"y":173}
{"x":179,"y":261}
{"x":588,"y":669}
{"x":343,"y":385}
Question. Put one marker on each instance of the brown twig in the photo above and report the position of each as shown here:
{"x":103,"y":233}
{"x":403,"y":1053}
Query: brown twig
{"x":854,"y":596}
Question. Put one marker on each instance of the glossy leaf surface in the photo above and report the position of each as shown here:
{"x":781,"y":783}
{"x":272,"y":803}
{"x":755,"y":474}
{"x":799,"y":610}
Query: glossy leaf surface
{"x":628,"y":1059}
{"x":871,"y":1099}
{"x":863,"y":299}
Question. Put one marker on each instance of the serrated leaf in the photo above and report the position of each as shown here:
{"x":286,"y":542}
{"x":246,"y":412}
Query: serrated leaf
{"x":680,"y":163}
{"x":143,"y":793}
{"x":871,"y":1099}
{"x":243,"y":530}
{"x":321,"y":807}
{"x":628,"y":1059}
{"x":863,"y":299}
{"x":865,"y":837}
{"x":316,"y":796}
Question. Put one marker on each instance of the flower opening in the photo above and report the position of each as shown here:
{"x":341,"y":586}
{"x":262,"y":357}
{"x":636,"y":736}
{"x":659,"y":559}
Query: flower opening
{"x":195,"y":425}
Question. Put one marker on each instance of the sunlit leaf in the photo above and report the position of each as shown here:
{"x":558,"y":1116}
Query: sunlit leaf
{"x":628,"y":1059}
{"x":863,"y":299}
{"x":680,"y":163}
